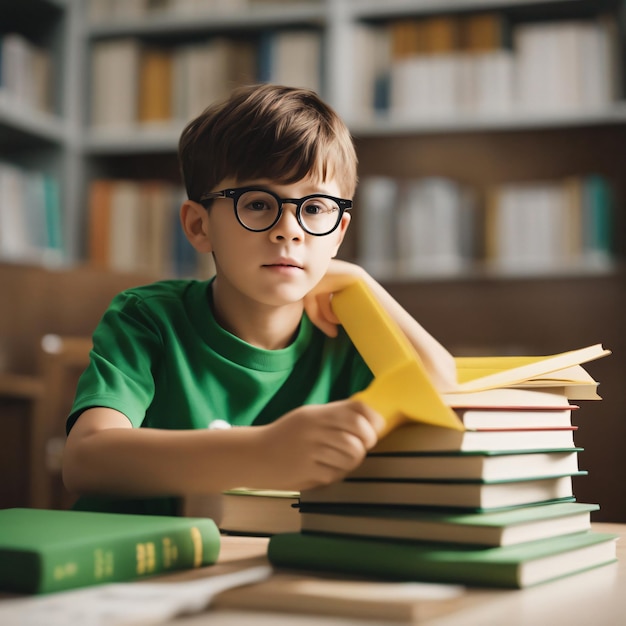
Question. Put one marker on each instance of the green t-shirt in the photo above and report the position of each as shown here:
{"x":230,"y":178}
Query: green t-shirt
{"x":160,"y":358}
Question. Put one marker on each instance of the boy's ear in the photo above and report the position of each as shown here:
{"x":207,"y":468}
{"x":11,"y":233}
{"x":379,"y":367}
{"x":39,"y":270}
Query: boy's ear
{"x":195,"y":222}
{"x":341,"y":230}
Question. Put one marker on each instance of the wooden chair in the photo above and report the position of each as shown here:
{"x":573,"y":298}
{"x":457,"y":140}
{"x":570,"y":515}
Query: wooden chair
{"x":61,"y":361}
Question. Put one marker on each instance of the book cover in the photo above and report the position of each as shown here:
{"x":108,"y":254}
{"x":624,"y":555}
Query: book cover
{"x":500,"y":528}
{"x":475,"y":496}
{"x":43,"y":551}
{"x":516,"y":566}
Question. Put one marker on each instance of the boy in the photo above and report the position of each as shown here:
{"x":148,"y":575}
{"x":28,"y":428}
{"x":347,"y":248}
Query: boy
{"x":269,"y":174}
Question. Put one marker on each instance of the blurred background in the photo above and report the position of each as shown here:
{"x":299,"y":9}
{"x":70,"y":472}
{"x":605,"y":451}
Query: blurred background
{"x":491,"y":137}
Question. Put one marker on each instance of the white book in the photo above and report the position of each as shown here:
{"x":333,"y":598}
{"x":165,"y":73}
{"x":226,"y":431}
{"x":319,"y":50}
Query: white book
{"x":115,"y":80}
{"x":404,"y":89}
{"x":429,"y":228}
{"x":371,"y":47}
{"x":15,"y":241}
{"x":296,"y":59}
{"x":494,"y":466}
{"x":17,"y":68}
{"x":470,"y":495}
{"x":126,"y":228}
{"x":534,"y":61}
{"x":156,"y":239}
{"x":597,"y":65}
{"x":377,"y":205}
{"x":493,"y":82}
{"x":203,"y":74}
{"x":444,"y":96}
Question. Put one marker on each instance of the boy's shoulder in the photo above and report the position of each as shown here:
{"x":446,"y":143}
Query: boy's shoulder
{"x":175,"y":289}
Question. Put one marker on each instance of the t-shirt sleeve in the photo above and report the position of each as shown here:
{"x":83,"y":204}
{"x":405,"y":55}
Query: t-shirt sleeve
{"x":126,"y":348}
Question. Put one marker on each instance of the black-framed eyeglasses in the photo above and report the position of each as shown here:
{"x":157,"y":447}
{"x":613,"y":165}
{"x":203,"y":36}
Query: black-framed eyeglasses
{"x":260,"y":209}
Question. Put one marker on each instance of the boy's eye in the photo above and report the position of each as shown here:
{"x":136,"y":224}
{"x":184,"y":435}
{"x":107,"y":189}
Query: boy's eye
{"x":258,"y":205}
{"x":318,"y":208}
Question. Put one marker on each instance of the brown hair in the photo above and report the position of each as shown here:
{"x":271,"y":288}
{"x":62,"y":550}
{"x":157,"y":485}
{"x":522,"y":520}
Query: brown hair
{"x":281,"y":133}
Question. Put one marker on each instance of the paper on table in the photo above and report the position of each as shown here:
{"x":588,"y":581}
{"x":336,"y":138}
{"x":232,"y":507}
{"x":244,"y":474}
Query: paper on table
{"x":125,"y":604}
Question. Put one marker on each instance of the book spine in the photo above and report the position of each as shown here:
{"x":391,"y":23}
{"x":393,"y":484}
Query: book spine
{"x":129,"y":559}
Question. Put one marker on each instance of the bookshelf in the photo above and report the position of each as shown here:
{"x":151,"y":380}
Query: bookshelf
{"x":471,"y":311}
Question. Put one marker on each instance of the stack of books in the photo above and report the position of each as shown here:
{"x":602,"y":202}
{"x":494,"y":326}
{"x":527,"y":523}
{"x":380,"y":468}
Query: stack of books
{"x":491,"y":505}
{"x":481,"y":495}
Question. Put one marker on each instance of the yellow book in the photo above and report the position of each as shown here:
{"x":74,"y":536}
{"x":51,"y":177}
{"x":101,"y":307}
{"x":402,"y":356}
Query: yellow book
{"x":401,"y":387}
{"x":478,"y":373}
{"x":402,"y":390}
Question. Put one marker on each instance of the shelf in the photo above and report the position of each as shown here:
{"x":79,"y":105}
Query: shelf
{"x":133,"y":140}
{"x":484,"y":274}
{"x":30,"y":122}
{"x":473,"y":123}
{"x":165,"y":139}
{"x":168,"y":23}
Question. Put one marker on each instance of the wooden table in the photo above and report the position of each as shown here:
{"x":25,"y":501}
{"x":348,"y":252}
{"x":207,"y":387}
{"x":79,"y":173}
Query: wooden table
{"x":593,"y":598}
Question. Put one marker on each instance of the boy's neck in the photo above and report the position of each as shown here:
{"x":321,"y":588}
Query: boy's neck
{"x":262,"y":326}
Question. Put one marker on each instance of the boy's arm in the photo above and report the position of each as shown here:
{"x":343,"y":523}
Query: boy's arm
{"x":437,"y":360}
{"x":309,"y":446}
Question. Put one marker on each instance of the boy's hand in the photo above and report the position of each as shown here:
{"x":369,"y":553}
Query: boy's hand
{"x":340,"y":274}
{"x":317,"y":444}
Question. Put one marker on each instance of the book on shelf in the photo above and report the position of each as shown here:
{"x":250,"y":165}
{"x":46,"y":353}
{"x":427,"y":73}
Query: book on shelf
{"x":134,"y":227}
{"x":156,"y":86}
{"x":477,"y":495}
{"x":291,"y":57}
{"x":576,"y":216}
{"x":499,"y":528}
{"x":515,"y":566}
{"x":115,"y":73}
{"x":493,"y":465}
{"x":25,"y":73}
{"x":435,"y":220}
{"x":44,"y":551}
{"x":206,"y":71}
{"x":245,"y":511}
{"x":31,"y":220}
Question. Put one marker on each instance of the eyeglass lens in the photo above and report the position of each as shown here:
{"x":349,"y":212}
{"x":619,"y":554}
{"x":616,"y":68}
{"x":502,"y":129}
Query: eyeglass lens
{"x":258,"y":210}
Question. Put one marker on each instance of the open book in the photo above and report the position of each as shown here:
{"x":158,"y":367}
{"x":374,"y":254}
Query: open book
{"x":402,"y":389}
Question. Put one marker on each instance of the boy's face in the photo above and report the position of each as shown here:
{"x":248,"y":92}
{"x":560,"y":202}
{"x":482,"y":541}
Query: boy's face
{"x":278,"y":266}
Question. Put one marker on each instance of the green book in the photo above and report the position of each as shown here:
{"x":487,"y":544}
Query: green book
{"x":500,"y":528}
{"x":470,"y":495}
{"x":42,"y":551}
{"x":511,"y":566}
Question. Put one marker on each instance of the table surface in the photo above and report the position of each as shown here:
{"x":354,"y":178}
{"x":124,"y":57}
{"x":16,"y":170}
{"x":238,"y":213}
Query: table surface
{"x":595,"y":597}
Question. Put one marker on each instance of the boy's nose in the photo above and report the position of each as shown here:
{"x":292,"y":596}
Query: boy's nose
{"x":287,"y":226}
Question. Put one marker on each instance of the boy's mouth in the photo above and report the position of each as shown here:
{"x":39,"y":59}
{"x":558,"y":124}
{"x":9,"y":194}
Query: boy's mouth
{"x":284,"y":263}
